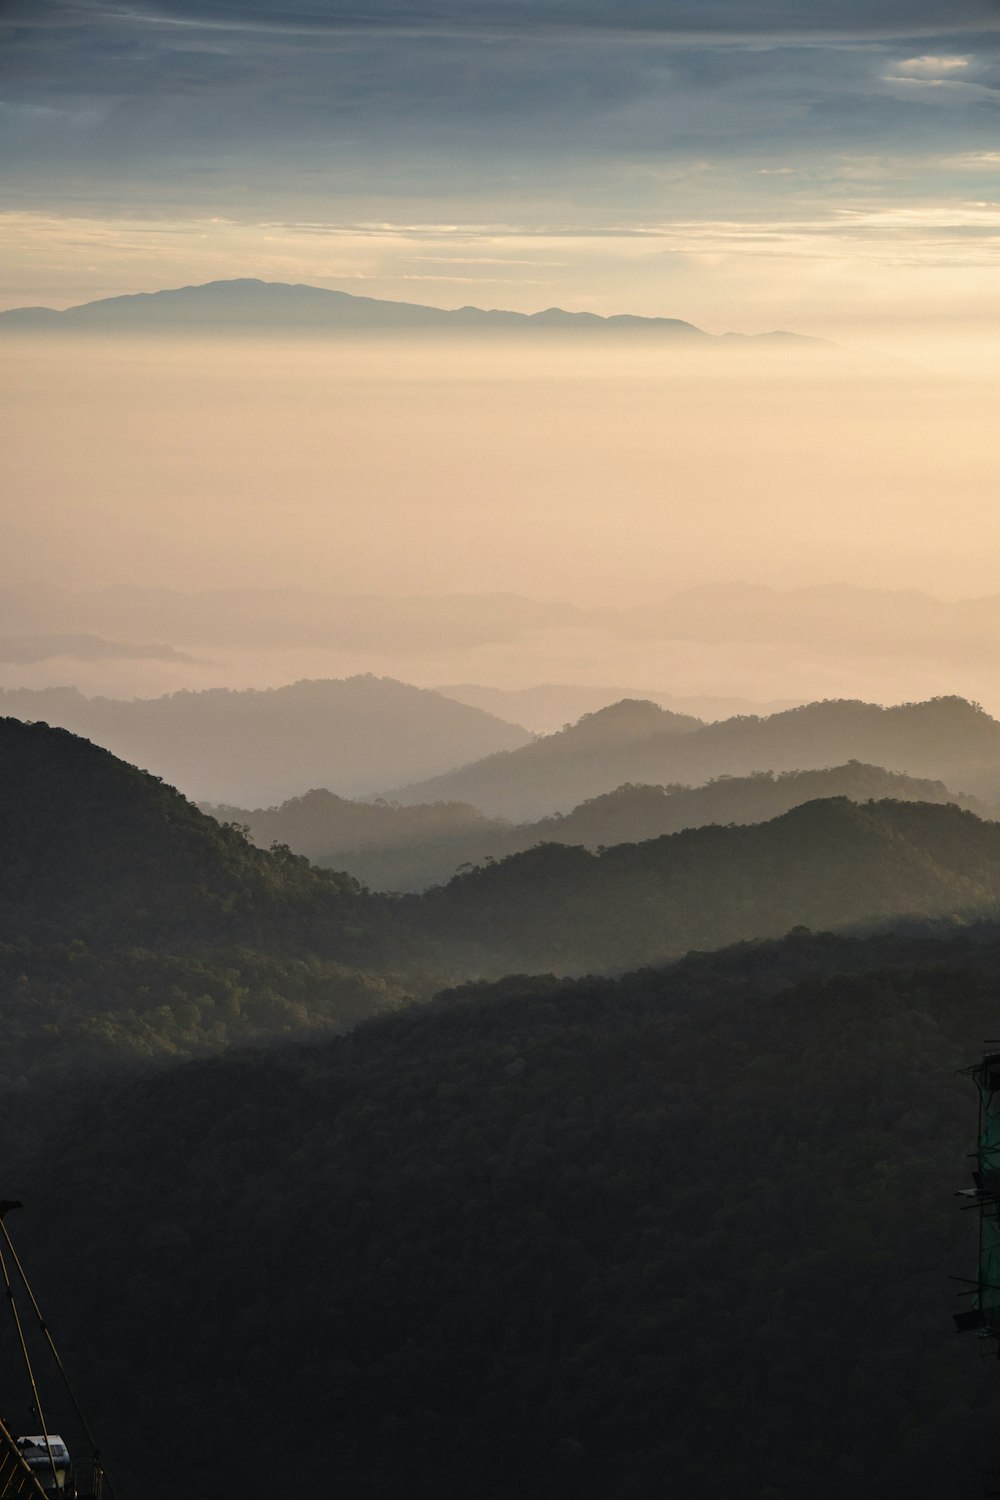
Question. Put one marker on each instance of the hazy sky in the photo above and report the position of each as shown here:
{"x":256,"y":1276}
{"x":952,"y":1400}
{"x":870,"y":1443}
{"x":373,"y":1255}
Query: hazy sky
{"x":740,"y":163}
{"x":743,"y":164}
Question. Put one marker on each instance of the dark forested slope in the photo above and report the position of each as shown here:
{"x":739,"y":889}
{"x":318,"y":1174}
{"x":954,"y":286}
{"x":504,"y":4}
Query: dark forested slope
{"x":134,"y":927}
{"x":320,"y":824}
{"x":825,"y":864}
{"x":93,"y":847}
{"x":944,"y":738}
{"x":631,"y":812}
{"x":686,"y":1234}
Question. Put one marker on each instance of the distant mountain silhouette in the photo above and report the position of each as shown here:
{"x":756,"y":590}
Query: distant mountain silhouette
{"x":830,"y":618}
{"x":247,"y":304}
{"x":954,"y":637}
{"x":356,"y":734}
{"x":944,"y":738}
{"x":561,"y":769}
{"x":389,"y":847}
{"x":550,"y":706}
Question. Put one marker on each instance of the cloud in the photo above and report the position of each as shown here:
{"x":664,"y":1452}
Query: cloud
{"x":974,"y":161}
{"x":198,"y":79}
{"x":724,"y":19}
{"x":931,"y":67}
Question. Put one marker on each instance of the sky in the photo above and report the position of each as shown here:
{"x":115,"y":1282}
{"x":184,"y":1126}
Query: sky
{"x":744,"y":164}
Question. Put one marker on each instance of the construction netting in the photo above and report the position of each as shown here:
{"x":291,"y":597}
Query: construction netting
{"x":987,"y":1178}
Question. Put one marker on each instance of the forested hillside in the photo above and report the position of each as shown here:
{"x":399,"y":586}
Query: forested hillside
{"x":134,"y":929}
{"x":481,"y":1245}
{"x":690,"y":1232}
{"x":392,"y":847}
{"x":631,"y":813}
{"x":95,"y":847}
{"x":830,"y":863}
{"x":944,"y":738}
{"x":438,"y":835}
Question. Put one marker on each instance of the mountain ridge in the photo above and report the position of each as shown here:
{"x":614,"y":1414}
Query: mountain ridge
{"x":101,"y":852}
{"x":253,"y":304}
{"x":546,"y":707}
{"x":274,"y":741}
{"x":947,"y":738}
{"x":829,"y":864}
{"x":396,"y":848}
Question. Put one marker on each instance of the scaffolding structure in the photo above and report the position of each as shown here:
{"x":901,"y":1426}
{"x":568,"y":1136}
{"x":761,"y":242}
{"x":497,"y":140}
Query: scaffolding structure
{"x":16,"y":1477}
{"x":982,"y":1316}
{"x":39,"y":1465}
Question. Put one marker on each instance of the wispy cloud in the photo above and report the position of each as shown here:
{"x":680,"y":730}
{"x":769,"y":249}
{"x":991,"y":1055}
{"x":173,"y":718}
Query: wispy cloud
{"x":931,"y":67}
{"x":972,"y":161}
{"x":702,"y":19}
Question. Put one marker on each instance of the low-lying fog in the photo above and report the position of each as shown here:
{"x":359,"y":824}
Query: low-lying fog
{"x":600,"y":479}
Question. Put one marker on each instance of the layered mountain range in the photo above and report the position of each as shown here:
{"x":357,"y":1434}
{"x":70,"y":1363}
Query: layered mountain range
{"x":358,"y":733}
{"x":391,"y":846}
{"x":944,"y":738}
{"x":369,"y":736}
{"x":102,"y":859}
